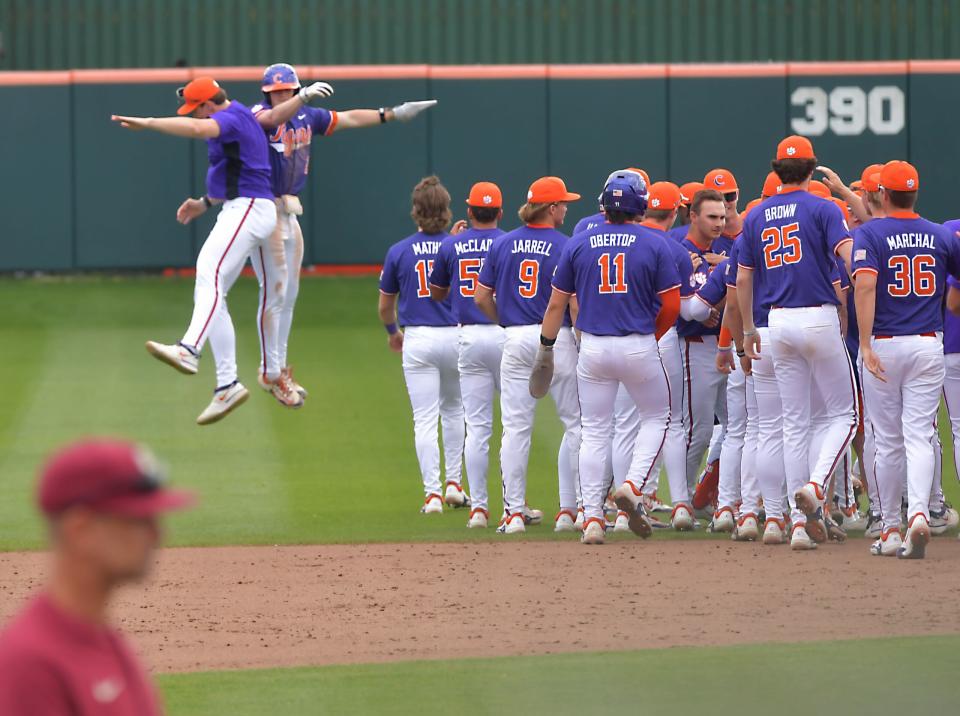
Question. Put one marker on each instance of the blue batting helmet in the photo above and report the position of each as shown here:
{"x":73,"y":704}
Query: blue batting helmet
{"x":279,"y":77}
{"x":625,"y":191}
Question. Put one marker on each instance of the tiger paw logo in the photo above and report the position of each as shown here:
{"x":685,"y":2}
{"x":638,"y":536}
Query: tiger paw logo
{"x":655,"y":203}
{"x":791,"y":151}
{"x":487,"y":199}
{"x":910,"y":183}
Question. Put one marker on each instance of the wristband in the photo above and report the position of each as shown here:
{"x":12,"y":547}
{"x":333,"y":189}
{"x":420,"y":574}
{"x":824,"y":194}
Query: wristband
{"x":391,"y":328}
{"x":741,"y":354}
{"x":206,"y":201}
{"x":547,"y":342}
{"x":724,"y":349}
{"x":750,"y":333}
{"x":383,"y":115}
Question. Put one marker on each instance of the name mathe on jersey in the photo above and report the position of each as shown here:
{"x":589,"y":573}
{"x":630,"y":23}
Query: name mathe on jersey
{"x":473,"y":246}
{"x":290,"y":140}
{"x":532,"y":246}
{"x":425,"y":248}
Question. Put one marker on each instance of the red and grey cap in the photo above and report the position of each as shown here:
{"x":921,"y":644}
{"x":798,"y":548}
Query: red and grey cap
{"x":112,"y":476}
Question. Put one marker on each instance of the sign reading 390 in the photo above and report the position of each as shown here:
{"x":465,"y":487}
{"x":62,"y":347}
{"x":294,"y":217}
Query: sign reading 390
{"x":849,"y":111}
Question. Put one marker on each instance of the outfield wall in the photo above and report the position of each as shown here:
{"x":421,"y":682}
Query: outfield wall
{"x":81,"y":193}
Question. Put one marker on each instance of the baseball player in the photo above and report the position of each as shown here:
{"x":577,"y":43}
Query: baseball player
{"x":239,"y":179}
{"x":595,"y":220}
{"x":790,"y":242}
{"x":687,"y":192}
{"x":627,"y":290}
{"x":513,"y":291}
{"x":901,"y":263}
{"x":480,"y":349}
{"x":428,"y":342}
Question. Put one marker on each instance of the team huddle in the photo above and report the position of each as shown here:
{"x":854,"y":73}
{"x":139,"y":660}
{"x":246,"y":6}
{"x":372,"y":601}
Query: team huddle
{"x":838,"y":309}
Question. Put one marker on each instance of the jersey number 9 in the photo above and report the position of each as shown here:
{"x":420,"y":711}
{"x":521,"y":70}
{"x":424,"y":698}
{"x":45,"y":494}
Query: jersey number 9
{"x":912,"y":276}
{"x":781,"y":245}
{"x":529,"y":278}
{"x":469,"y":274}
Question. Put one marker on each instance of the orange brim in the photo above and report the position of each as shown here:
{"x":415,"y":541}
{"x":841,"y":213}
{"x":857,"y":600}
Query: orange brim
{"x":483,"y":206}
{"x":570,"y":196}
{"x":188,"y":107}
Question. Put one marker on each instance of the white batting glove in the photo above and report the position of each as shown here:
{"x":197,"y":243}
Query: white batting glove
{"x":317,"y":89}
{"x":542,"y":374}
{"x":408,"y":110}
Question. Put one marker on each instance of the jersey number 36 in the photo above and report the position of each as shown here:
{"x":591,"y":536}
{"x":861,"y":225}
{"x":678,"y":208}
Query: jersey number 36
{"x":912,"y":275}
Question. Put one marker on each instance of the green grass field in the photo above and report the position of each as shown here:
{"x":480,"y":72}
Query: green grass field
{"x":343,"y":469}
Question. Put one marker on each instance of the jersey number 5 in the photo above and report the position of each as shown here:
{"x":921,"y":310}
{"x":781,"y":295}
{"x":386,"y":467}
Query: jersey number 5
{"x":912,"y":276}
{"x":529,"y":278}
{"x":469,"y":274}
{"x":781,"y":245}
{"x":424,"y":268}
{"x":617,"y":268}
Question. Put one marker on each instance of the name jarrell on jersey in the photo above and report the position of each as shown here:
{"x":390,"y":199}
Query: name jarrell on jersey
{"x":406,"y":270}
{"x":458,"y":266}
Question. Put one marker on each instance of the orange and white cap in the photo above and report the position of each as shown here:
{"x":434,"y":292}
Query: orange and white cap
{"x":688,"y":190}
{"x":795,"y":147}
{"x":720,"y":179}
{"x":771,"y":185}
{"x":485,"y":194}
{"x":870,"y":178}
{"x":899,"y":176}
{"x":549,"y":190}
{"x":196,"y":93}
{"x":663,"y":196}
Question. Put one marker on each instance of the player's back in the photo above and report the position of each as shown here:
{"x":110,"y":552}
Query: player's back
{"x":239,"y":163}
{"x":406,"y":271}
{"x":459,"y":263}
{"x":518,"y":268}
{"x":589,"y":222}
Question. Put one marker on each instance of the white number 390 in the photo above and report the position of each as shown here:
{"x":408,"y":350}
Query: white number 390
{"x":848,"y":111}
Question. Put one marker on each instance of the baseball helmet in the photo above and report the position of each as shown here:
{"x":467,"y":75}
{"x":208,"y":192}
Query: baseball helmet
{"x":625,"y":191}
{"x":279,"y":76}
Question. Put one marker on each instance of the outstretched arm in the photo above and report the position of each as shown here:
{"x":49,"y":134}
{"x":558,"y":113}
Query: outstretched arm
{"x":356,"y":118}
{"x":188,"y":127}
{"x":275,"y":116}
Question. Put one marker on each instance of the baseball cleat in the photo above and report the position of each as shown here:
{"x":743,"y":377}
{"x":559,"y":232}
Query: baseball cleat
{"x":622,"y":523}
{"x":874,"y":527}
{"x":177,"y":356}
{"x":288,"y":374}
{"x":918,"y":537}
{"x":799,"y":539}
{"x":512,"y":524}
{"x":747,"y":529}
{"x":706,"y":492}
{"x":834,"y":531}
{"x":809,"y":500}
{"x":682,"y":518}
{"x":944,"y":519}
{"x":282,"y":390}
{"x":853,"y":519}
{"x":652,"y":503}
{"x":225,"y":401}
{"x":774,"y":531}
{"x":455,"y":497}
{"x":478,"y":518}
{"x":888,"y":544}
{"x":630,"y":500}
{"x":594,"y":532}
{"x":531,"y":516}
{"x":578,"y":523}
{"x":565,"y":522}
{"x":723,"y":520}
{"x":609,"y":508}
{"x":433,"y":505}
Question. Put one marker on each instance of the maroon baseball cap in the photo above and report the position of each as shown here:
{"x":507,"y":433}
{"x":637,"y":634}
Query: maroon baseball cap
{"x":112,"y":476}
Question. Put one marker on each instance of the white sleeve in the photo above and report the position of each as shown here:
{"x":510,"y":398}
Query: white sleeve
{"x":694,"y":308}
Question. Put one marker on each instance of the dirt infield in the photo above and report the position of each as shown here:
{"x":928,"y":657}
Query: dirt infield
{"x":247,"y":607}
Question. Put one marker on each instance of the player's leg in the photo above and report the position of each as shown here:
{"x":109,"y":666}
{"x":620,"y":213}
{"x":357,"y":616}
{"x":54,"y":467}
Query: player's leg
{"x":422,"y":375}
{"x":451,"y":412}
{"x":626,"y":423}
{"x":276,"y":250}
{"x":769,"y":461}
{"x":478,"y":385}
{"x":675,"y":447}
{"x":701,"y":386}
{"x":270,"y":267}
{"x":517,"y":410}
{"x":747,"y":525}
{"x":732,"y":451}
{"x":951,"y":398}
{"x":293,"y":254}
{"x":565,"y":395}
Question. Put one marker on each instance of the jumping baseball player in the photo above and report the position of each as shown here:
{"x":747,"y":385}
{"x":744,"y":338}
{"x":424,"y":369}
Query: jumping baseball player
{"x":480,"y":349}
{"x":627,"y":290}
{"x":595,"y":220}
{"x":239,"y":178}
{"x":791,"y":242}
{"x":290,"y":125}
{"x":901,"y":263}
{"x":428,"y":341}
{"x":513,"y":291}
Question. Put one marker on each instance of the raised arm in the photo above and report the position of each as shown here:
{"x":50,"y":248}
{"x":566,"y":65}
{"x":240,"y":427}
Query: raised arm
{"x":275,"y":116}
{"x":188,"y":127}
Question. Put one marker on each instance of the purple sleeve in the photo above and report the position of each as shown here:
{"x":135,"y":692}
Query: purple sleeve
{"x":745,"y":255}
{"x":320,"y":120}
{"x":864,"y":253}
{"x":442,"y":267}
{"x":228,"y":122}
{"x":834,"y":225}
{"x":684,"y":266}
{"x":715,"y":288}
{"x":389,"y":281}
{"x":563,"y":278}
{"x":839,"y":273}
{"x":667,"y":275}
{"x":488,"y":272}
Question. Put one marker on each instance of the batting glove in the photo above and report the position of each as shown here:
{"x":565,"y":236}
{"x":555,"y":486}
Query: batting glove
{"x":408,"y":110}
{"x":542,"y":375}
{"x":317,"y":89}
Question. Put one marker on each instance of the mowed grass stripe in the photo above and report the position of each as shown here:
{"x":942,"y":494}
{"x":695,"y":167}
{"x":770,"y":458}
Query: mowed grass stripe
{"x":851,"y":677}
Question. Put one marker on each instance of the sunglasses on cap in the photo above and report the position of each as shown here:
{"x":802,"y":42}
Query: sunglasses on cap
{"x":731,"y":196}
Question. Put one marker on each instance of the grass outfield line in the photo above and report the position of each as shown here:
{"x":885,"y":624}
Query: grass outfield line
{"x":870,"y":676}
{"x":342,"y":469}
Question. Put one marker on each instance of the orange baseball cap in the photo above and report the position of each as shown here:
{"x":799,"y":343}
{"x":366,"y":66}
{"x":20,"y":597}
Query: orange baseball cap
{"x":485,"y":194}
{"x":869,"y":180}
{"x":750,"y":206}
{"x":549,"y":190}
{"x":196,"y":93}
{"x":641,"y":172}
{"x":899,"y":176}
{"x":688,"y":190}
{"x":818,"y":188}
{"x":795,"y":147}
{"x":720,"y":179}
{"x":771,"y":185}
{"x":856,"y":185}
{"x":664,"y":196}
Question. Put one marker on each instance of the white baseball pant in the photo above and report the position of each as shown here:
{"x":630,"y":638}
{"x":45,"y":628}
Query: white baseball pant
{"x":809,"y":354}
{"x":480,"y":353}
{"x":605,"y":362}
{"x":768,"y":464}
{"x":704,"y":396}
{"x":903,"y":411}
{"x":518,"y":408}
{"x":433,"y":383}
{"x":243,"y":226}
{"x":626,"y":423}
{"x":951,"y":397}
{"x":749,"y":484}
{"x":732,"y":450}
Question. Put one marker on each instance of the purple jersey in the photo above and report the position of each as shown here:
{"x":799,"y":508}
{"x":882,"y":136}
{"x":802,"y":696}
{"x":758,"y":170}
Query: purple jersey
{"x":458,"y":267}
{"x":590,"y":222}
{"x":681,"y":259}
{"x":617,"y":272}
{"x":406,"y":271}
{"x":951,"y":322}
{"x":911,"y":258}
{"x":290,"y":146}
{"x":790,"y":243}
{"x":679,"y":233}
{"x":518,"y":268}
{"x":698,"y":279}
{"x":239,"y":165}
{"x":760,"y":312}
{"x":715,"y":289}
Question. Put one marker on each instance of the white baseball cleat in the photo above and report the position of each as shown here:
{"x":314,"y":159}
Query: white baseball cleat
{"x":944,"y":519}
{"x":723,"y":520}
{"x":888,"y":544}
{"x":478,"y":518}
{"x":774,"y":531}
{"x":288,"y":374}
{"x":532,"y":516}
{"x":630,"y":500}
{"x":578,"y":523}
{"x":918,"y":537}
{"x":622,"y":522}
{"x":594,"y":532}
{"x":747,"y":529}
{"x":282,"y":390}
{"x":874,"y":527}
{"x":455,"y":497}
{"x":512,"y":524}
{"x":682,"y":518}
{"x":609,"y":508}
{"x":433,"y":505}
{"x":565,"y":522}
{"x":225,"y":400}
{"x":177,"y":356}
{"x":854,"y":520}
{"x":652,"y":503}
{"x":799,"y":539}
{"x":809,"y":500}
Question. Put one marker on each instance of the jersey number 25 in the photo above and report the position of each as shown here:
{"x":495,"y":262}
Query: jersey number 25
{"x":781,"y":245}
